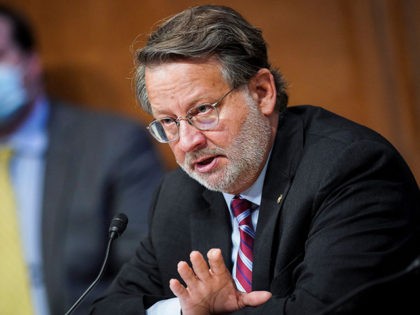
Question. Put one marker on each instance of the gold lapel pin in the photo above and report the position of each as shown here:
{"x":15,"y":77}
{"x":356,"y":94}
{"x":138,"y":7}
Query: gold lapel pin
{"x":279,"y":198}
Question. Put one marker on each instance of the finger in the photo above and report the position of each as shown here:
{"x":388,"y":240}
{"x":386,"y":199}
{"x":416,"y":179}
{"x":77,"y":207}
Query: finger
{"x":178,"y":289}
{"x":187,"y":274}
{"x":200,"y":266}
{"x":217,"y":265}
{"x":254,"y":298}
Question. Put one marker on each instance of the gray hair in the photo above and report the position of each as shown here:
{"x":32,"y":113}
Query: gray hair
{"x":205,"y":32}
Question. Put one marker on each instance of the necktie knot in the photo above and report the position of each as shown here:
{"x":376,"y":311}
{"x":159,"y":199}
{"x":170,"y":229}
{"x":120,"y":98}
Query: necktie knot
{"x":240,"y":205}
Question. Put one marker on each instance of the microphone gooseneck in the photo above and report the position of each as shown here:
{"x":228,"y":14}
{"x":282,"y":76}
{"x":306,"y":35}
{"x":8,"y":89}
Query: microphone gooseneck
{"x":116,"y":228}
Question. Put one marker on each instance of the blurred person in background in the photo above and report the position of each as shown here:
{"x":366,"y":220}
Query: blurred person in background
{"x":70,"y":171}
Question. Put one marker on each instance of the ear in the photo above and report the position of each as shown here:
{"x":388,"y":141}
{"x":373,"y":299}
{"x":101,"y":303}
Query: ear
{"x":263,"y":90}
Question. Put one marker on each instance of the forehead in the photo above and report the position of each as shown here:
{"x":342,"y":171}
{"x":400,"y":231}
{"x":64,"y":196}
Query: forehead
{"x":183,"y":75}
{"x":174,"y":87}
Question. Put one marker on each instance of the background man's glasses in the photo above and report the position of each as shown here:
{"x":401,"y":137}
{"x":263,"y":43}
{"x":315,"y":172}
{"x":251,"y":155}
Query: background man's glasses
{"x":202,"y":117}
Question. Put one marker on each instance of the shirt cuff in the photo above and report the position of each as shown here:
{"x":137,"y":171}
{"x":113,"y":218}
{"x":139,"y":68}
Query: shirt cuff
{"x":167,"y":307}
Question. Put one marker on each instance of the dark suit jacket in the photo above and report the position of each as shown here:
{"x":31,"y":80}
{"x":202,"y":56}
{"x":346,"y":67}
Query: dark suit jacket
{"x":349,"y":213}
{"x":397,"y":293}
{"x":97,"y":165}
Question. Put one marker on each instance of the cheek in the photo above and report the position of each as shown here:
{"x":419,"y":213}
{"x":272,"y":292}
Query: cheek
{"x":229,"y":129}
{"x":220,"y":138}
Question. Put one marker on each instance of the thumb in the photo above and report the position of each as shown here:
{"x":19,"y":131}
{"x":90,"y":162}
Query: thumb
{"x":255,"y":298}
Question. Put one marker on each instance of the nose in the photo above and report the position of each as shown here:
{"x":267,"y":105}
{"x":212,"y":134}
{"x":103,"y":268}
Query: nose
{"x":190,"y":138}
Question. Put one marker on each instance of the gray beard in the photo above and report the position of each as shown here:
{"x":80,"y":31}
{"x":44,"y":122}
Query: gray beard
{"x":245,"y":155}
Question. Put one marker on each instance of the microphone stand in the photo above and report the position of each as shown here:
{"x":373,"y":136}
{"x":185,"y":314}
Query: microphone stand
{"x":116,"y":228}
{"x":98,"y":277}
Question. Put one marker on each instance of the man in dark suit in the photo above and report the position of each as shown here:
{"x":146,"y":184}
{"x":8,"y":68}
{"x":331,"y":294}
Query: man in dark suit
{"x":72,"y":171}
{"x":278,"y":210}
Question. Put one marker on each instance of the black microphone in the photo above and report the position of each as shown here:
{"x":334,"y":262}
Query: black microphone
{"x":116,"y":228}
{"x":117,"y":225}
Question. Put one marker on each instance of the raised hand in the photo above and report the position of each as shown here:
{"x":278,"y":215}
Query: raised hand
{"x":211,"y":290}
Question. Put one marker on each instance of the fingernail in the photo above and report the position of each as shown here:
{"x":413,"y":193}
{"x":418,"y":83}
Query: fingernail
{"x":214,"y":252}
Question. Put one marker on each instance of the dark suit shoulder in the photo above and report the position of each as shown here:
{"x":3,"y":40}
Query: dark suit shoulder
{"x":90,"y":118}
{"x":330,"y":140}
{"x":96,"y":128}
{"x":319,"y":122}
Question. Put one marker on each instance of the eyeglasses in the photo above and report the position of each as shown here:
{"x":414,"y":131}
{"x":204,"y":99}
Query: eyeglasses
{"x":202,"y":117}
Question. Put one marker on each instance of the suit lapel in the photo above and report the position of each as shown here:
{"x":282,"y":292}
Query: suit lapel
{"x":211,"y":227}
{"x":282,"y":166}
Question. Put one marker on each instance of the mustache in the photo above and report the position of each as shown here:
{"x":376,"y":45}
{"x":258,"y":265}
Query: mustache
{"x":193,"y":156}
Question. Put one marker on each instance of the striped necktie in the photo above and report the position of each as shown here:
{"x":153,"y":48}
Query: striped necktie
{"x":242,"y":209}
{"x":15,"y":296}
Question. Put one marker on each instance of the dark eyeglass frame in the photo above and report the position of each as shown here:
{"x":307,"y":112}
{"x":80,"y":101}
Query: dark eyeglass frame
{"x":158,"y":124}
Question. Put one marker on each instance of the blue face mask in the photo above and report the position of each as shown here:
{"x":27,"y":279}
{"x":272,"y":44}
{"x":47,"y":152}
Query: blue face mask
{"x":12,"y":92}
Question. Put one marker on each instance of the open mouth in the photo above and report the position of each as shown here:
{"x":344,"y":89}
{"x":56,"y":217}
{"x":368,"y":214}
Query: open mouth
{"x":206,"y":164}
{"x":206,"y":161}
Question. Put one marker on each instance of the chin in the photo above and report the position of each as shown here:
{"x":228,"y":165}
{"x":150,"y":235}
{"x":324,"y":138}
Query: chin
{"x":217,"y":181}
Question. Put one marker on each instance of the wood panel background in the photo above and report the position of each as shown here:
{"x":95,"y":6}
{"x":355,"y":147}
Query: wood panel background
{"x":359,"y":58}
